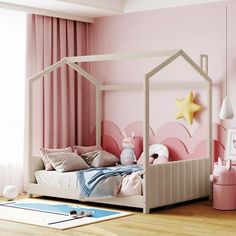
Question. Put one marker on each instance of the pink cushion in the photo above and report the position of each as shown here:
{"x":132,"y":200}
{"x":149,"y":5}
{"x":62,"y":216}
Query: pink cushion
{"x":45,"y":151}
{"x":83,"y":149}
{"x":131,"y":185}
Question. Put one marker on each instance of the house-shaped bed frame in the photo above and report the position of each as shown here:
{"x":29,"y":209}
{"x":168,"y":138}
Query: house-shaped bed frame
{"x":163,"y":184}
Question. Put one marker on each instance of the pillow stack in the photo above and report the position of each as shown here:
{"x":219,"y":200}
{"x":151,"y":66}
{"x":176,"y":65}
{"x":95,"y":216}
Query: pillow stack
{"x":44,"y":154}
{"x":78,"y":158}
{"x":62,"y":160}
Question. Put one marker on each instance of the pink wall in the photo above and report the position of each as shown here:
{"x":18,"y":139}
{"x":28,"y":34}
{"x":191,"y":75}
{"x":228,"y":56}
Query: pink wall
{"x":195,"y":29}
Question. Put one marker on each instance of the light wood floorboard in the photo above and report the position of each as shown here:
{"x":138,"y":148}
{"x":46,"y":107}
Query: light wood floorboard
{"x":195,"y":218}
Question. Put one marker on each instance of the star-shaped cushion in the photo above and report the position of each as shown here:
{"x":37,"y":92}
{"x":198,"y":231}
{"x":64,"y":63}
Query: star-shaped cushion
{"x":187,"y":108}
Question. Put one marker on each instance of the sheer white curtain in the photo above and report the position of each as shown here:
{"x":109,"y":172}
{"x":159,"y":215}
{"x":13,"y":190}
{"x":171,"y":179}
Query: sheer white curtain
{"x":12,"y":84}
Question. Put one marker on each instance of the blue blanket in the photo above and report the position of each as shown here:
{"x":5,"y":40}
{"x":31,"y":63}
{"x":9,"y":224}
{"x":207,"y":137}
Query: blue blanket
{"x":90,"y":178}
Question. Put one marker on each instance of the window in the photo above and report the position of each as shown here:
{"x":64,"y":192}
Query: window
{"x":12,"y":86}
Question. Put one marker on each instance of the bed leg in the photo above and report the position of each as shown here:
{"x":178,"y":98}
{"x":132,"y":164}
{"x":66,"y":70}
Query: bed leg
{"x":146,"y":210}
{"x":29,"y":195}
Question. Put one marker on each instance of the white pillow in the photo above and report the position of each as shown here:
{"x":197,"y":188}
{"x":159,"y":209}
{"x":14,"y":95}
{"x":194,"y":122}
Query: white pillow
{"x":63,"y":162}
{"x":45,"y":151}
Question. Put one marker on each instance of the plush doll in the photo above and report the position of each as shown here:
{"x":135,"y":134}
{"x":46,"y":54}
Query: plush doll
{"x":158,"y":153}
{"x":127,"y":156}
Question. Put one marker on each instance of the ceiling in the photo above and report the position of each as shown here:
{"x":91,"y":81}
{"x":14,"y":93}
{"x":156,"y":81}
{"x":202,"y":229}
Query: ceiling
{"x":86,"y":10}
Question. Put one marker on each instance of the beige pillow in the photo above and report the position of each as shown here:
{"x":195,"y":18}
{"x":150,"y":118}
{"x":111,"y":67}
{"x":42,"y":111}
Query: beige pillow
{"x":45,"y":151}
{"x":63,"y":162}
{"x":100,"y":158}
{"x":83,"y":149}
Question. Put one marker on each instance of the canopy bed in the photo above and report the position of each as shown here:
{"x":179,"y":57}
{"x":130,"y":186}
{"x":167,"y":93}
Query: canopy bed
{"x":163,"y":184}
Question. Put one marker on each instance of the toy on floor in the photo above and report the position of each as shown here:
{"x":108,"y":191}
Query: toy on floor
{"x":74,"y":214}
{"x":10,"y":192}
{"x":224,"y":185}
{"x":127,"y":156}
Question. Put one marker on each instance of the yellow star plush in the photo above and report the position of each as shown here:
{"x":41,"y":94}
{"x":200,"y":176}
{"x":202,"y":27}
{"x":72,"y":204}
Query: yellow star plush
{"x":187,"y":108}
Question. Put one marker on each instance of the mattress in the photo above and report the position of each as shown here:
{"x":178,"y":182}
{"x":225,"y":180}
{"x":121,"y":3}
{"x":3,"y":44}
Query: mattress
{"x":113,"y":184}
{"x":57,"y":179}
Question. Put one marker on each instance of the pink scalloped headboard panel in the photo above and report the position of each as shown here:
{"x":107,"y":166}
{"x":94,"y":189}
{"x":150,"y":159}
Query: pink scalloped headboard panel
{"x":110,"y":145}
{"x":138,"y":128}
{"x":138,"y":146}
{"x":171,"y":130}
{"x":173,"y":134}
{"x":177,"y":130}
{"x":111,"y":129}
{"x":178,"y":151}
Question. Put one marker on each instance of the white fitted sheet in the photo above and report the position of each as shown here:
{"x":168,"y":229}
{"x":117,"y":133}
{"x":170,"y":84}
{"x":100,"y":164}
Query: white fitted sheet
{"x":57,"y":179}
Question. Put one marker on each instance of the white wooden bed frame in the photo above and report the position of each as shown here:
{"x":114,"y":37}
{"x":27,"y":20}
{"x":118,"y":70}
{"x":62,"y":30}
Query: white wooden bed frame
{"x":164,"y":184}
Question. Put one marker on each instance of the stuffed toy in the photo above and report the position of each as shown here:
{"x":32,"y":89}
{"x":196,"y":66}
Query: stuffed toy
{"x":10,"y":192}
{"x":158,"y":153}
{"x":127,"y":156}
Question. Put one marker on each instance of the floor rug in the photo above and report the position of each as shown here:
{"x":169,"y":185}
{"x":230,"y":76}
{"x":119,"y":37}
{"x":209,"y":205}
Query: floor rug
{"x":54,"y":214}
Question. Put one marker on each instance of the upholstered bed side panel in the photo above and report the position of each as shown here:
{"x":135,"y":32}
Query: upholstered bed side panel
{"x":179,"y":181}
{"x":35,"y":164}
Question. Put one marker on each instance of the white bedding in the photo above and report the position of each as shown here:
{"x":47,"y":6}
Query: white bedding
{"x":57,"y":179}
{"x":96,"y":182}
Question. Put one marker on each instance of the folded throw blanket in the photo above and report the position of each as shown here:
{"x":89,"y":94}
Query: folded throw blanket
{"x":90,"y":178}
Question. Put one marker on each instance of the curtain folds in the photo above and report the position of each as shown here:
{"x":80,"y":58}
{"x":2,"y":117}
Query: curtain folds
{"x":60,"y":101}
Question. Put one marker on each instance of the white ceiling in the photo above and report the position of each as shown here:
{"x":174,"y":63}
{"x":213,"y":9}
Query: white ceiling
{"x":86,"y":10}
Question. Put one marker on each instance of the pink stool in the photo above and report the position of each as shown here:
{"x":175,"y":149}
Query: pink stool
{"x":224,"y":185}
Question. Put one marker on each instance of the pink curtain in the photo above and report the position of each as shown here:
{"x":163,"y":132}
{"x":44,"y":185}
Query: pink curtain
{"x":60,"y":101}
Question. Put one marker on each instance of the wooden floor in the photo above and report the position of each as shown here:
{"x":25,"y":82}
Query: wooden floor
{"x":196,"y":218}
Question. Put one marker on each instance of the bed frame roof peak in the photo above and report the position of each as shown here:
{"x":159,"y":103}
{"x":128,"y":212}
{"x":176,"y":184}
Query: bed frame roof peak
{"x":181,"y":53}
{"x":169,"y":55}
{"x":120,"y":56}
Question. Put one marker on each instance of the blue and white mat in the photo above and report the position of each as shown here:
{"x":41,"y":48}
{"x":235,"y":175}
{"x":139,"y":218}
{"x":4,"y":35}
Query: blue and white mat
{"x":53,"y":214}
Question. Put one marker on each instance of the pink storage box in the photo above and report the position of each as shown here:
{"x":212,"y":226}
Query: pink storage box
{"x":224,"y":185}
